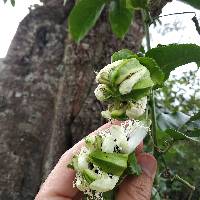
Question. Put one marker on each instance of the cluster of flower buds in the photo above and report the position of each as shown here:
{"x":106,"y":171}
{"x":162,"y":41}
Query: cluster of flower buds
{"x":124,"y":85}
{"x":107,"y":157}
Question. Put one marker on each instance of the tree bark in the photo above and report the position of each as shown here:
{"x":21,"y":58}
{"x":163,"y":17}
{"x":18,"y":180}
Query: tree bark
{"x":46,"y":94}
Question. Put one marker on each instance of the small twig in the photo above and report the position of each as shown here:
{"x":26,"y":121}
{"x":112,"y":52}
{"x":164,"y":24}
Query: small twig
{"x":183,"y":181}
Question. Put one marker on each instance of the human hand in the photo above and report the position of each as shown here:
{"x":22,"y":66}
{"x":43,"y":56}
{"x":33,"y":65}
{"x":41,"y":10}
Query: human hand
{"x":59,"y":184}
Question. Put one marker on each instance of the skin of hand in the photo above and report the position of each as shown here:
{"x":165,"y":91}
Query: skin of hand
{"x":59,"y":183}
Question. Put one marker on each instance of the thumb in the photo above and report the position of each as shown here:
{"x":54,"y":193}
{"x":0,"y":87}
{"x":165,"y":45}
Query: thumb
{"x":139,"y":188}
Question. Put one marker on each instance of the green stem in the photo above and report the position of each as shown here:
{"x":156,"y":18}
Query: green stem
{"x":190,"y":195}
{"x":181,"y":180}
{"x":152,"y":99}
{"x":146,"y":20}
{"x":154,"y":122}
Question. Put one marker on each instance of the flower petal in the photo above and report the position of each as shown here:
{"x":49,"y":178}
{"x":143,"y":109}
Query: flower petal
{"x":136,"y":138}
{"x":104,"y":184}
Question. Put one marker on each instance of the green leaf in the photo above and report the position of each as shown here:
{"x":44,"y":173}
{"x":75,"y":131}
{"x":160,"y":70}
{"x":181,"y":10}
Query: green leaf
{"x":133,"y":167}
{"x":114,"y":163}
{"x":194,"y":133}
{"x":136,"y":4}
{"x":155,"y":194}
{"x":12,"y":2}
{"x":123,"y":54}
{"x":194,"y":3}
{"x":171,"y":120}
{"x":120,"y":18}
{"x":195,"y":117}
{"x":174,"y":55}
{"x":177,"y":135}
{"x":83,"y":17}
{"x":157,"y":74}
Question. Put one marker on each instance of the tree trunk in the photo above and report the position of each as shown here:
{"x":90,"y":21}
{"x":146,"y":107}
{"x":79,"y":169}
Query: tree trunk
{"x":46,"y":94}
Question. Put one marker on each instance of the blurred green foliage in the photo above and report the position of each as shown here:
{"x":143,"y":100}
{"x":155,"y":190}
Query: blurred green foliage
{"x":181,"y":94}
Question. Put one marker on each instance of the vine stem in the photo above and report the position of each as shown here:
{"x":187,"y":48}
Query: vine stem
{"x":152,"y":99}
{"x":181,"y":180}
{"x":156,"y":153}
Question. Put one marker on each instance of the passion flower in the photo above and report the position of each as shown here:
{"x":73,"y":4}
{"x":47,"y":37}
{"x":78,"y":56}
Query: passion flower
{"x":107,"y":158}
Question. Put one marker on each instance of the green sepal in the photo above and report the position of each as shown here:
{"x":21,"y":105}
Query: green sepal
{"x":89,"y":175}
{"x":114,"y":163}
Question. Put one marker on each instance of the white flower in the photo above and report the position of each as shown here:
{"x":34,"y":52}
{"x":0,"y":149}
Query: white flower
{"x":105,"y":183}
{"x":103,"y":75}
{"x":80,"y":183}
{"x":126,"y":136}
{"x":108,"y":144}
{"x":83,"y":159}
{"x":137,"y":109}
{"x":136,"y":138}
{"x":118,"y":133}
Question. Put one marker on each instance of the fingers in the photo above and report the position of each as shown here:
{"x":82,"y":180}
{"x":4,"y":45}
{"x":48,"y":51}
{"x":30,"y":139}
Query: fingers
{"x":139,"y":149}
{"x":139,"y":188}
{"x":60,"y":181}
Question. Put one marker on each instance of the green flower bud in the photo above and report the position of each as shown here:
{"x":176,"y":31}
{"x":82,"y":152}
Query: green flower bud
{"x":121,"y":83}
{"x":127,"y":85}
{"x":89,"y":175}
{"x":125,"y":70}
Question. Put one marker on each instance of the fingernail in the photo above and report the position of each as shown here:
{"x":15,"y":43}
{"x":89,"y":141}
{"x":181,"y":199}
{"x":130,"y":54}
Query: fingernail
{"x":148,"y":164}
